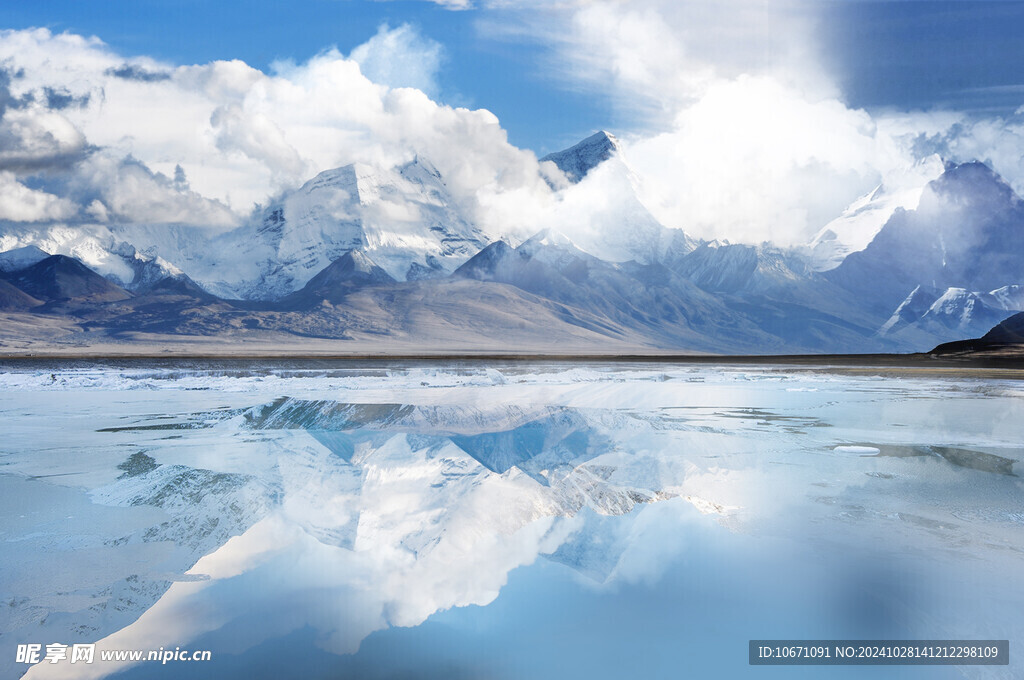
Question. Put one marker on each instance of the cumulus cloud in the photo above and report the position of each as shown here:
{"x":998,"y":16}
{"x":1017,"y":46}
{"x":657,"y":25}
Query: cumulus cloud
{"x":753,"y":160}
{"x":19,"y":203}
{"x":734,"y":127}
{"x":400,"y":57}
{"x":242,"y":135}
{"x":35,"y":138}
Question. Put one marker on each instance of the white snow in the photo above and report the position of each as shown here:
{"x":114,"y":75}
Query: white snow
{"x":19,"y":258}
{"x":864,"y":218}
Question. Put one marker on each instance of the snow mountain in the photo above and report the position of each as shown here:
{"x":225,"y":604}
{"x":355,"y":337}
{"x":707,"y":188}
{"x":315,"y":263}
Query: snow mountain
{"x":404,"y":218}
{"x":389,"y":257}
{"x":853,"y":230}
{"x":950,"y":267}
{"x":955,"y":312}
{"x":967,"y":232}
{"x":602,"y":212}
{"x":20,"y":258}
{"x":652,"y":299}
{"x":581,"y":158}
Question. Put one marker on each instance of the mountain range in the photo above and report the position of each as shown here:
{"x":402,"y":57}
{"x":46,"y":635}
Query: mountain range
{"x":365,"y":258}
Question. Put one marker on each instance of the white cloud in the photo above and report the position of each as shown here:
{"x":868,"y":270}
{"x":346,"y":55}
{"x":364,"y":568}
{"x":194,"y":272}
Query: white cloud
{"x":34,"y":138}
{"x":241,"y":135}
{"x":998,"y":142}
{"x":652,"y":58}
{"x":400,"y":57}
{"x":454,"y":4}
{"x":19,"y":203}
{"x":127,"y":191}
{"x":753,"y":160}
{"x":736,"y":131}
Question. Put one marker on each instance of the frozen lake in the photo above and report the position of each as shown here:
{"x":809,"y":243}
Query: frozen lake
{"x":504,"y":522}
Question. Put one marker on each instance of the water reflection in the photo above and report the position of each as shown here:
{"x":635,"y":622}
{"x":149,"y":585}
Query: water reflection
{"x":556,"y":524}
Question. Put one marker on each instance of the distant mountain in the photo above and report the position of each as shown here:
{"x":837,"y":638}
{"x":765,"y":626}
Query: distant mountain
{"x":405,"y":218}
{"x":578,"y":160}
{"x":350,"y":271}
{"x":855,"y":228}
{"x":1005,"y":339}
{"x":60,"y":278}
{"x":388,"y":257}
{"x":177,"y":285}
{"x":15,"y":299}
{"x":733,"y":268}
{"x":663,"y":306}
{"x":927,"y":314}
{"x":967,"y":232}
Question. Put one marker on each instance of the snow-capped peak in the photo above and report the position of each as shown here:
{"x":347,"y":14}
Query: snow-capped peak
{"x":548,"y":237}
{"x":19,"y":258}
{"x":581,"y":158}
{"x":404,"y":218}
{"x":864,"y":218}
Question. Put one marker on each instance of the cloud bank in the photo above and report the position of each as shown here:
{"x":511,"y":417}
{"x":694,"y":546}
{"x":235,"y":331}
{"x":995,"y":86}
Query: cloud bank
{"x":734,"y":126}
{"x":119,"y":130}
{"x":737,"y":128}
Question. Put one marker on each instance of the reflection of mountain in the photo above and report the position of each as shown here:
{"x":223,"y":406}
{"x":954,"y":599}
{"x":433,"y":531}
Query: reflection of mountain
{"x":416,"y":507}
{"x":197,"y":505}
{"x":389,"y":260}
{"x":537,"y":442}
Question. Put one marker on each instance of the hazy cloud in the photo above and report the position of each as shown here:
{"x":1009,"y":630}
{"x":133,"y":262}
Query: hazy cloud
{"x":400,"y":57}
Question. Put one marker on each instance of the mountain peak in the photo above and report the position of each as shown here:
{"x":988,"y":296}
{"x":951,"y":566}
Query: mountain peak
{"x":971,"y":178}
{"x":355,"y":267}
{"x":547,"y":237}
{"x":20,"y":258}
{"x":581,"y":158}
{"x":59,"y":277}
{"x":351,"y":271}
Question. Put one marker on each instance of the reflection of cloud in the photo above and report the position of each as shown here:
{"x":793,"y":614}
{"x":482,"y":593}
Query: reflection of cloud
{"x":400,"y":527}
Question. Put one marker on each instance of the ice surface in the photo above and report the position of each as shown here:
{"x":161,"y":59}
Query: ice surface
{"x":360,"y":511}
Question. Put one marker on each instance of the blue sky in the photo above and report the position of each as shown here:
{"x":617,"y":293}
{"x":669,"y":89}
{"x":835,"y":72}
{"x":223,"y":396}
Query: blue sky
{"x":902,"y":54}
{"x":503,"y":76}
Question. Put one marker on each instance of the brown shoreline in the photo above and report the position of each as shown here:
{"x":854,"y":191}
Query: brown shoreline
{"x":1009,"y":366}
